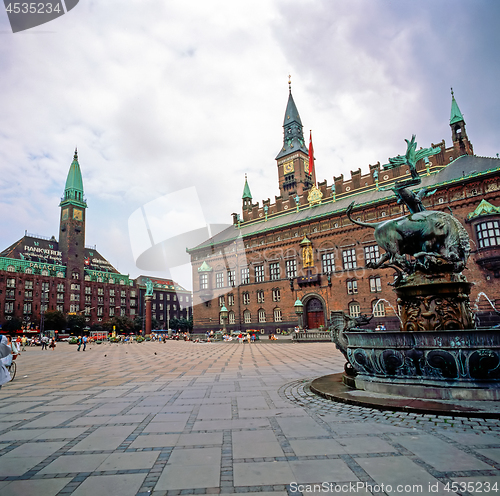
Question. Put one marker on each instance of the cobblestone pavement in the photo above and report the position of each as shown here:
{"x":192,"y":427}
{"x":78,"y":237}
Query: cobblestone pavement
{"x":185,"y":418}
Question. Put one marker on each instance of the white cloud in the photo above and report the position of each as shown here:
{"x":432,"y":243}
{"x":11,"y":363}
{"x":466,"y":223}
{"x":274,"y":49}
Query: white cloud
{"x":164,"y":96}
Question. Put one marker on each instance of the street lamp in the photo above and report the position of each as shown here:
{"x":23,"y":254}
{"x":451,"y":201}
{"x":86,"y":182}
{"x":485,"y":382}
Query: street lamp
{"x":299,"y":310}
{"x":223,"y":316}
{"x":42,"y":310}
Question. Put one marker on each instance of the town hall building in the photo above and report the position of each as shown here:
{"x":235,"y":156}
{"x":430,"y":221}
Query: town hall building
{"x":302,"y":253}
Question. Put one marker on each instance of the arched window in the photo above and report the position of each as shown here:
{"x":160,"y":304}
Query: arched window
{"x":354,"y":309}
{"x":232,"y":318}
{"x":111,"y":280}
{"x":262,"y":315}
{"x":378,"y":308}
{"x":247,"y":316}
{"x":60,"y":274}
{"x":277,"y":315}
{"x":87,"y":277}
{"x":11,"y":268}
{"x":75,"y":275}
{"x":28,"y":270}
{"x":45,"y":272}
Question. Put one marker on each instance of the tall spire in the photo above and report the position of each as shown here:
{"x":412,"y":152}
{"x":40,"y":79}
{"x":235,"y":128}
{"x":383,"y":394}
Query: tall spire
{"x":456,"y":115}
{"x":293,"y":137}
{"x":246,"y":190}
{"x":73,"y":191}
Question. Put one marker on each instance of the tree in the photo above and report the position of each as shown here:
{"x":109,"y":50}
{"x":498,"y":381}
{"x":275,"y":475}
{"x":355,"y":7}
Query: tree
{"x":54,"y":320}
{"x":97,"y":327}
{"x":138,"y":323}
{"x":123,"y":325}
{"x":75,"y":323}
{"x":12,"y":325}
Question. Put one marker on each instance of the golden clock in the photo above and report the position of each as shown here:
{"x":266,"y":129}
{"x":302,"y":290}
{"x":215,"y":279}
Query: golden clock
{"x":288,"y":167}
{"x":77,"y":214}
{"x":65,"y":214}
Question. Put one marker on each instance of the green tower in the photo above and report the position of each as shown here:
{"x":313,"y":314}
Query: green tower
{"x":72,"y":223}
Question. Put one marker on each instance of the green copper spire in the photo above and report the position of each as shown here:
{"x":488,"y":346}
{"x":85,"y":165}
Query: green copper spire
{"x":73,"y":192}
{"x":293,"y":139}
{"x":456,"y":115}
{"x":246,"y":190}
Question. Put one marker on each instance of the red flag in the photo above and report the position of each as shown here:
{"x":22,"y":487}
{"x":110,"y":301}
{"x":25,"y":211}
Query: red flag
{"x":311,"y":154}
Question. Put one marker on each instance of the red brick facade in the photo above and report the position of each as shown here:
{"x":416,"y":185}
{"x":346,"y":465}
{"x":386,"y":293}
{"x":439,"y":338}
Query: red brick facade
{"x":250,"y":267}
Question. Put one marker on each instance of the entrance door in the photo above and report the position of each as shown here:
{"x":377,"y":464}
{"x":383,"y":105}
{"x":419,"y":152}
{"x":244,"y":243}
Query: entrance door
{"x":314,"y":314}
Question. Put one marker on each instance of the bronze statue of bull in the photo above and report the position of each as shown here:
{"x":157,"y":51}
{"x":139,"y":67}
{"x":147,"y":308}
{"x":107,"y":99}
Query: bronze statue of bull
{"x":432,"y":238}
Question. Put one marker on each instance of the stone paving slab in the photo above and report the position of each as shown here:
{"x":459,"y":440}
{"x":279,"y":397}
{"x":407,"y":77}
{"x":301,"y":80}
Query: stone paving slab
{"x":220,"y":418}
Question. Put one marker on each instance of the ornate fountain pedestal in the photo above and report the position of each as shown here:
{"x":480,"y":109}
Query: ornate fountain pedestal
{"x":434,"y":302}
{"x":437,"y":354}
{"x":450,"y":364}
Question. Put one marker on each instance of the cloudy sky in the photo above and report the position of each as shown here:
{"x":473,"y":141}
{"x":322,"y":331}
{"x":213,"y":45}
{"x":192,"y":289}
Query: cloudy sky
{"x":169,"y":95}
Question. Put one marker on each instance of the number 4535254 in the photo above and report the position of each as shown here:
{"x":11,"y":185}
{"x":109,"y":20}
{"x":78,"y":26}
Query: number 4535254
{"x":33,"y":8}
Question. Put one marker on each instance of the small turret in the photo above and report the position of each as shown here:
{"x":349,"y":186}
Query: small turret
{"x":247,"y":196}
{"x":458,"y":133}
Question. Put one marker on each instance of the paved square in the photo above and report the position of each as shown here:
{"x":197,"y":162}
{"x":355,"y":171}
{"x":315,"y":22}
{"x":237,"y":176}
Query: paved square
{"x":219,"y":418}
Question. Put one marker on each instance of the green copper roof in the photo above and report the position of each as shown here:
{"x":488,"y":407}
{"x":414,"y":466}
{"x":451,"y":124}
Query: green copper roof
{"x":291,"y":113}
{"x":246,"y":190}
{"x":293,"y":139}
{"x":73,"y":191}
{"x":484,"y":208}
{"x":456,"y":115}
{"x":204,"y":267}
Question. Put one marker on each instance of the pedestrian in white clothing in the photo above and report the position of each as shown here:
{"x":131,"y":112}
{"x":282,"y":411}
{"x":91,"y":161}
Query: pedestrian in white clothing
{"x":5,"y":351}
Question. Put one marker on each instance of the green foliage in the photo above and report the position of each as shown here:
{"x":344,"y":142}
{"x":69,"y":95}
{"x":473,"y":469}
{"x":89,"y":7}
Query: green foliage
{"x":12,"y":325}
{"x":139,"y":339}
{"x":76,"y":323}
{"x":122,"y":325}
{"x":97,"y":327}
{"x":54,"y":320}
{"x":182,"y":324}
{"x":73,"y":341}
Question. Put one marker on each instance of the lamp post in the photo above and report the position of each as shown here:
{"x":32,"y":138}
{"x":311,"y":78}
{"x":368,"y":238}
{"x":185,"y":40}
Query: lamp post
{"x":223,"y":316}
{"x":299,"y":310}
{"x":42,"y":310}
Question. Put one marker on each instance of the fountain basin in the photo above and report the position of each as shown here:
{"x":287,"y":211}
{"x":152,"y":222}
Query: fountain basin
{"x":454,"y":364}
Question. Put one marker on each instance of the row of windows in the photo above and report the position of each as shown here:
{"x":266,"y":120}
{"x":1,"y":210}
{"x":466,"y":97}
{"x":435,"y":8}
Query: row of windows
{"x":349,"y":261}
{"x":378,"y":309}
{"x":375,"y":285}
{"x":245,"y":296}
{"x":247,"y":316}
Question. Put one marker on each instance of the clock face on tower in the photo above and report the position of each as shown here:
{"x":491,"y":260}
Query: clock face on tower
{"x":77,"y":214}
{"x":288,"y":167}
{"x":65,"y":214}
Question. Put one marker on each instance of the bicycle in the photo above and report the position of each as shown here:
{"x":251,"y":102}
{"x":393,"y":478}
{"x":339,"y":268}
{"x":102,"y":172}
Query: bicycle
{"x":12,"y":368}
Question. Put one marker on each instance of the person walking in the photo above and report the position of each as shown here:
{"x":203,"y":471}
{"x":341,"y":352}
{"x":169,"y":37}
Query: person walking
{"x":79,"y":341}
{"x":84,"y":339}
{"x":24,"y":340}
{"x":52,"y":344}
{"x":5,"y":351}
{"x":45,"y":342}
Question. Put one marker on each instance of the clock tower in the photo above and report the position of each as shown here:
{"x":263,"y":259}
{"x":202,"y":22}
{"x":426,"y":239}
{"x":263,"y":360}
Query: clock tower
{"x":72,"y":223}
{"x":293,"y":158}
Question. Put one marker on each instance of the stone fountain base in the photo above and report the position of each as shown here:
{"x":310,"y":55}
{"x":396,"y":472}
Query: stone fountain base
{"x":339,"y":388}
{"x":459,"y":364}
